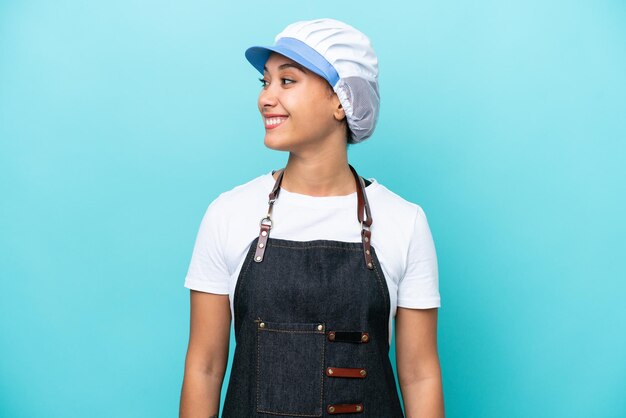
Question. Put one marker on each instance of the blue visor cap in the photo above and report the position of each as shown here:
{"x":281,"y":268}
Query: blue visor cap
{"x":299,"y":52}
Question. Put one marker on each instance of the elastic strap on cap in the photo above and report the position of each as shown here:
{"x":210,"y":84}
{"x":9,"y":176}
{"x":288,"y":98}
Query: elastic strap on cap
{"x":311,"y":55}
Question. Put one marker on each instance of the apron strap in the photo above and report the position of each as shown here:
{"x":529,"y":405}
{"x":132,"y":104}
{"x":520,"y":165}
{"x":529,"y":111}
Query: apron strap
{"x":364,"y":217}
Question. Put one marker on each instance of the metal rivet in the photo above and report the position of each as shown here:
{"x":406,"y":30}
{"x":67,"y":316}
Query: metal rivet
{"x":261,"y":245}
{"x":258,"y":258}
{"x":320,"y":327}
{"x":331,"y":336}
{"x":363,"y":372}
{"x":364,"y":337}
{"x":331,"y":409}
{"x":367,"y":239}
{"x":330,"y":371}
{"x":358,"y":408}
{"x":262,"y":324}
{"x":264,"y":233}
{"x":367,"y":252}
{"x":369,"y":265}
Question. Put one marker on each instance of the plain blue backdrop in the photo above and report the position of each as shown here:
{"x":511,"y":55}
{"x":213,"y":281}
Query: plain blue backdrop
{"x":120,"y":121}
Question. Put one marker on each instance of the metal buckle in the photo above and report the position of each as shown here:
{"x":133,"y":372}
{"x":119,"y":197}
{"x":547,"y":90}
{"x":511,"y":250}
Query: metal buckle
{"x":268,"y":222}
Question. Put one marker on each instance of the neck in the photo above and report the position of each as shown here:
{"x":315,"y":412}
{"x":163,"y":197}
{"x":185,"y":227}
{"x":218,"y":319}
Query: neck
{"x":323,"y":173}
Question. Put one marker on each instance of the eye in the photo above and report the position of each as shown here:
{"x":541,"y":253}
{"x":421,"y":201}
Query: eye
{"x":287,"y":81}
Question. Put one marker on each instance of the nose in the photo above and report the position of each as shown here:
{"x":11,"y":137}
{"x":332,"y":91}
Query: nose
{"x":267,"y":97}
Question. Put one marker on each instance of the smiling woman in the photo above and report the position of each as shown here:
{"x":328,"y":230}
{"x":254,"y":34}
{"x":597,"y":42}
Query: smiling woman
{"x":313,"y":304}
{"x":297,"y":108}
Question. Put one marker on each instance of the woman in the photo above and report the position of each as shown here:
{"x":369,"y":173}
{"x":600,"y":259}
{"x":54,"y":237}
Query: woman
{"x":311,"y":287}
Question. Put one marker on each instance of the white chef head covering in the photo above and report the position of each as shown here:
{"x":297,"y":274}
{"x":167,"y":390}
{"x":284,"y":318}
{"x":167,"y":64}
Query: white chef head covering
{"x":340,"y":54}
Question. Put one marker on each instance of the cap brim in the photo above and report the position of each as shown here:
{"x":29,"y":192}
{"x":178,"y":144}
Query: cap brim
{"x":258,"y":55}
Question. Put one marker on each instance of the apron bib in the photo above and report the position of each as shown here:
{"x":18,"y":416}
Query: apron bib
{"x":312,"y":328}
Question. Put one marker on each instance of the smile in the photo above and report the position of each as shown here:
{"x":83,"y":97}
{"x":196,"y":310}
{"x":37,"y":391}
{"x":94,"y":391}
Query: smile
{"x":274,"y":122}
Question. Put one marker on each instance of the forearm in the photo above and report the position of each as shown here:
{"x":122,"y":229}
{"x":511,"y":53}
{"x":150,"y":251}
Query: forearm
{"x":200,"y":396}
{"x":423,"y":398}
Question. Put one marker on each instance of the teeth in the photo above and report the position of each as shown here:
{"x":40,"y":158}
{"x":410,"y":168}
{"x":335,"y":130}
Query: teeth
{"x":274,"y":121}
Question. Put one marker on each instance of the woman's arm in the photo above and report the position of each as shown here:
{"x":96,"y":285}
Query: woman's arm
{"x":417,"y":362}
{"x":207,"y":355}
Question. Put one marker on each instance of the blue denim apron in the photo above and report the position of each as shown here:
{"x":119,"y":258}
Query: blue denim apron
{"x":312,"y":328}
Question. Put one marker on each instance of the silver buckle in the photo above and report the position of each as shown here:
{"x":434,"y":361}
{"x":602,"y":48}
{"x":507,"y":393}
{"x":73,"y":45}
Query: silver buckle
{"x":268,"y":222}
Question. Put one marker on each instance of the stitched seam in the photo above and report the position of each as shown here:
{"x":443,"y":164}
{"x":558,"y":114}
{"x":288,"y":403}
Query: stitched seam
{"x":380,"y":283}
{"x":258,"y":369}
{"x":258,"y":373}
{"x":292,"y":332}
{"x":322,"y":370}
{"x":386,"y":296}
{"x":241,"y":279}
{"x":317,"y":246}
{"x":287,"y":414}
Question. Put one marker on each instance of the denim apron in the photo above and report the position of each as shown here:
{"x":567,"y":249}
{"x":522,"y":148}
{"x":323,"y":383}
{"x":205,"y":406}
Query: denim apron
{"x":312,"y":327}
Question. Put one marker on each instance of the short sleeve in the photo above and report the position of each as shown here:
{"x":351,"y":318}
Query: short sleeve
{"x":208,"y":270}
{"x":419,"y":287}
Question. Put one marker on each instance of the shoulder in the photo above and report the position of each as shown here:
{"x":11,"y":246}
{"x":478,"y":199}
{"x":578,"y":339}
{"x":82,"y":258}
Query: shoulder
{"x":398,"y":223}
{"x":387,"y":203}
{"x":250,"y":193}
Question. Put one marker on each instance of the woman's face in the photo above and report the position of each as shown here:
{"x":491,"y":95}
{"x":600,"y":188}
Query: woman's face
{"x":298,"y":106}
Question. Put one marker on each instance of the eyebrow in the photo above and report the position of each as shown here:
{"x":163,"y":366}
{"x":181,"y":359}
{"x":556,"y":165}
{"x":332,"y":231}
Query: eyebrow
{"x":287,"y":65}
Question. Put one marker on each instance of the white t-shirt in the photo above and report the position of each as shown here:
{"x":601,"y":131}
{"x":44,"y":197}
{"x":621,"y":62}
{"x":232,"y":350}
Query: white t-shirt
{"x":400,"y":236}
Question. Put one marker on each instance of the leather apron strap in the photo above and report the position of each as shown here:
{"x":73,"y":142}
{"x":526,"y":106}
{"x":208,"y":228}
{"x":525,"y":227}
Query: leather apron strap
{"x":364,"y":217}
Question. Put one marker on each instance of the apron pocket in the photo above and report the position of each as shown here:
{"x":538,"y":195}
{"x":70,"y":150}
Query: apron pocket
{"x":290,"y":368}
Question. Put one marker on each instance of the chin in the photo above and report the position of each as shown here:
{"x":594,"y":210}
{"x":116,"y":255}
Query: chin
{"x":277,"y":143}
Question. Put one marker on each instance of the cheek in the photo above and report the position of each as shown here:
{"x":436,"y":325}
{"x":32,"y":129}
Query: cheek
{"x":317,"y":107}
{"x":307,"y":116}
{"x":322,"y":111}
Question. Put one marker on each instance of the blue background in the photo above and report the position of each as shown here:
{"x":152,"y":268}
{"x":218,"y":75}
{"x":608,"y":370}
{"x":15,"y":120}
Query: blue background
{"x":121,"y":120}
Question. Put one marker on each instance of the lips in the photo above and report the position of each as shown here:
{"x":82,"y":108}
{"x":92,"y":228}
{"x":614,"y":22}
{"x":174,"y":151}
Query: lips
{"x":274,"y":121}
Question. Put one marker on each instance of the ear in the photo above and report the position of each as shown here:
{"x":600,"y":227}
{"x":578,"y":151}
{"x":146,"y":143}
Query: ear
{"x":338,"y":111}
